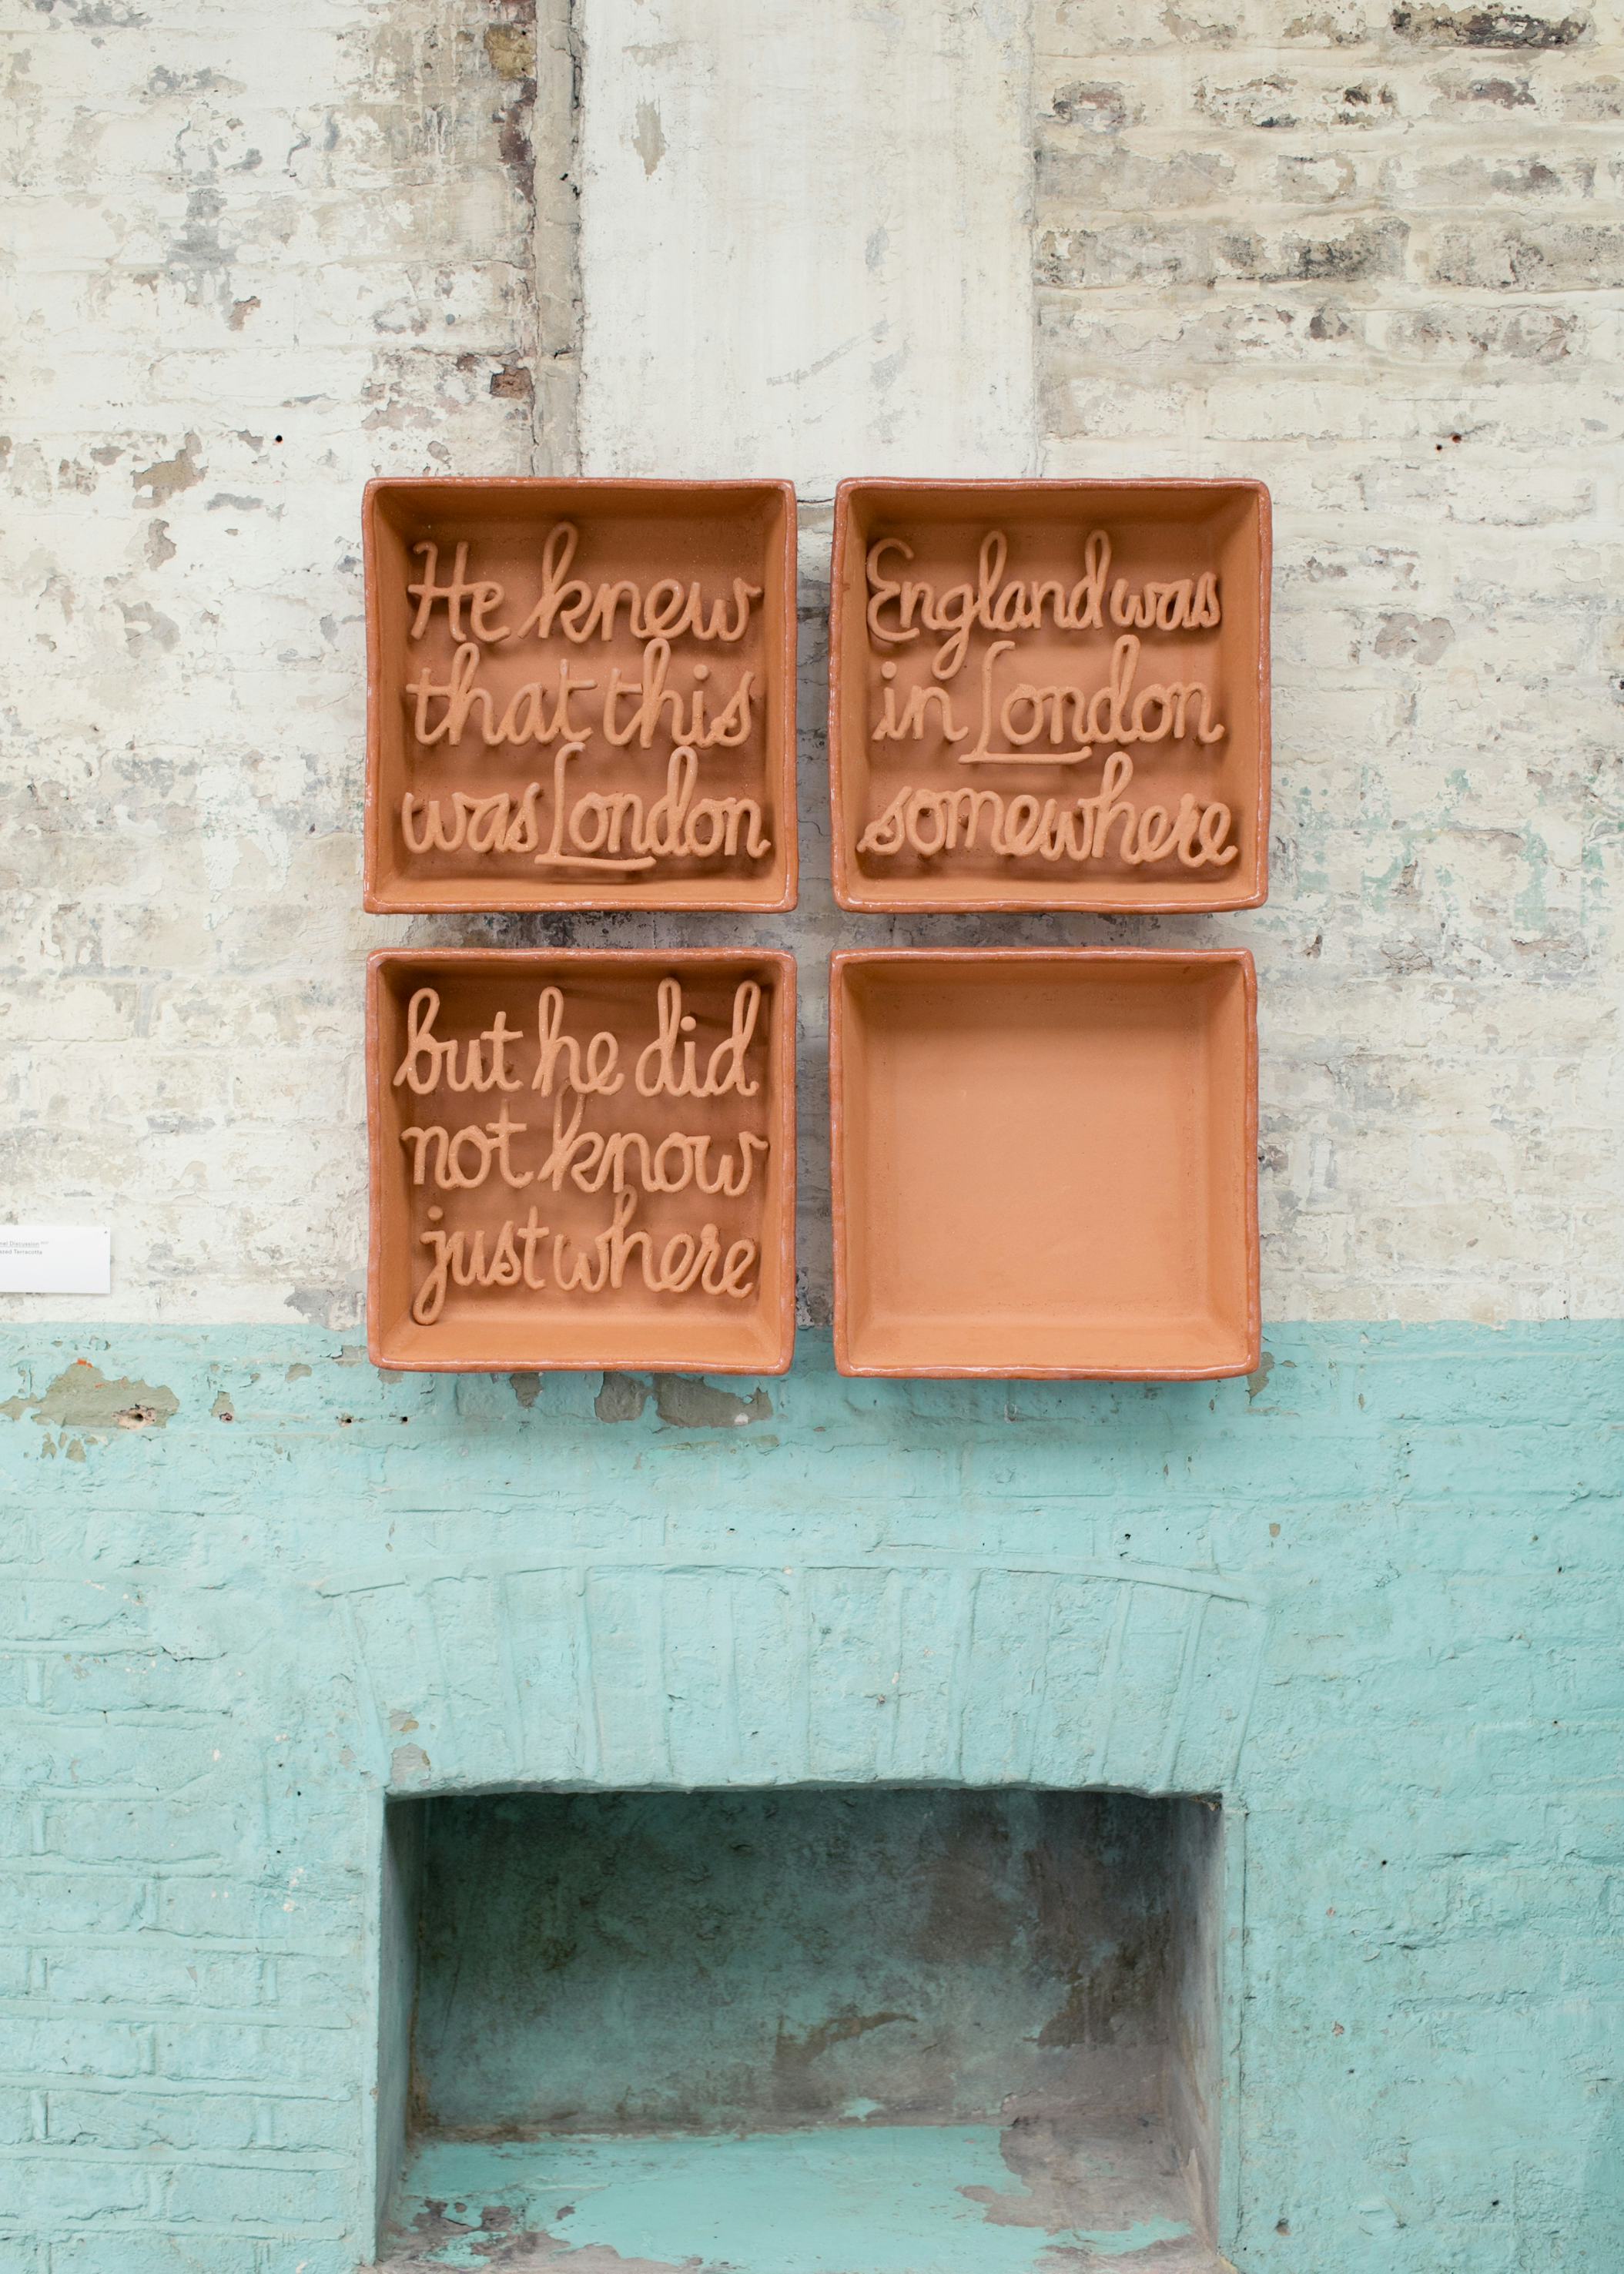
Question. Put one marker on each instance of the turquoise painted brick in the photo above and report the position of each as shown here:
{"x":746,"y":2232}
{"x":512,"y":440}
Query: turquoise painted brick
{"x":1525,"y":1754}
{"x":1562,"y":1459}
{"x":49,"y":2044}
{"x":45,"y":2187}
{"x":41,"y":1898}
{"x":141,"y":2117}
{"x":1400,"y":1671}
{"x":154,"y":2113}
{"x":127,"y":2252}
{"x":171,"y":1831}
{"x":276,"y":2190}
{"x":324,"y":1985}
{"x":207,"y":2051}
{"x":270,"y":1916}
{"x":306,"y":2122}
{"x":143,"y":1971}
{"x":85,"y":1681}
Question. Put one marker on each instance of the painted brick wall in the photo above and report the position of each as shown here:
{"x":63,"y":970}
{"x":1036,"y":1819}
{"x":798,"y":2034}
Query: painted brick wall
{"x":1374,"y":254}
{"x":257,"y":257}
{"x":1320,"y":246}
{"x":243,"y":1615}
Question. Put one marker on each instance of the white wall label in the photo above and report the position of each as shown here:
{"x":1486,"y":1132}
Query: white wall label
{"x":56,"y":1259}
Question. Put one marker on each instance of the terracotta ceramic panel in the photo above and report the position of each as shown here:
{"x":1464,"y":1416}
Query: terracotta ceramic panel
{"x":1050,"y":695}
{"x":582,"y":1160}
{"x":1045,"y":1162}
{"x":581,"y":694}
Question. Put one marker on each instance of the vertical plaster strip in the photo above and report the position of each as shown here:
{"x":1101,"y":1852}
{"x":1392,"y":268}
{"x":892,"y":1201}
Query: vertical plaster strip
{"x":1037,"y":1694}
{"x":799,"y":1717}
{"x":555,"y":136}
{"x":730,"y":1732}
{"x":369,"y":1709}
{"x":506,"y":1626}
{"x":896,"y":1646}
{"x":1195,"y":1620}
{"x":592,"y":1707}
{"x":961,"y":1691}
{"x":806,"y":238}
{"x":1108,"y":1692}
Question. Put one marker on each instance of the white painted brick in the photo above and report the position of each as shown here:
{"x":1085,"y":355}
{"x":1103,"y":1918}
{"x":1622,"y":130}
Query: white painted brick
{"x":230,"y":228}
{"x":1304,"y":244}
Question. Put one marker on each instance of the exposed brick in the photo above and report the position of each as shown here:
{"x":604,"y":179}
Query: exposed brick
{"x":1528,"y":257}
{"x":1373,"y":253}
{"x":207,"y":382}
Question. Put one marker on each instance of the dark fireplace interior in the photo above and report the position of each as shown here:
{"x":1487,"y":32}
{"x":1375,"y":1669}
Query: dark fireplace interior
{"x":1002,"y":2003}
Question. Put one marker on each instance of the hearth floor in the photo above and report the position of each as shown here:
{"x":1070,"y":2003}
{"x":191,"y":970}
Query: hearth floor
{"x":1034,"y":2197}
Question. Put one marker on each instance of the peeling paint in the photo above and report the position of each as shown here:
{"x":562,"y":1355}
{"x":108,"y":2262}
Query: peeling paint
{"x":684,"y":1402}
{"x":867,"y":2199}
{"x":252,"y":1621}
{"x":1489,"y":27}
{"x":1427,"y":256}
{"x":648,"y":141}
{"x":167,"y":477}
{"x":512,"y":48}
{"x":620,"y":1398}
{"x":82,"y":1397}
{"x":793,"y":2057}
{"x":333,"y":216}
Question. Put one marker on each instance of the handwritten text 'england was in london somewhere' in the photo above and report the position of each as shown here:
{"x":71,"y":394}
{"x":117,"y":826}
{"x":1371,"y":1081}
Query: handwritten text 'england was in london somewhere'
{"x":1126,"y":701}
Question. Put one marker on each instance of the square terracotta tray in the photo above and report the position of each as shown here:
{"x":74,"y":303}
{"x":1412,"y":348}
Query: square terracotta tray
{"x":581,"y":1162}
{"x":563,"y":721}
{"x":1045,"y":1162}
{"x":1050,"y":695}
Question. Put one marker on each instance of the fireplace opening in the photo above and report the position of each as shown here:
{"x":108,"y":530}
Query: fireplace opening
{"x":802,"y":2030}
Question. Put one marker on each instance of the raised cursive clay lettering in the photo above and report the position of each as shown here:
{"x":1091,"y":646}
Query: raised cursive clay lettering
{"x":580,"y":1192}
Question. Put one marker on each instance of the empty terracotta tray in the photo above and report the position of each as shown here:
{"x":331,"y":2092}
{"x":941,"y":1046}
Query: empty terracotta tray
{"x":1050,"y":695}
{"x":1044,"y":1163}
{"x":582,"y":1160}
{"x":580,"y":694}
